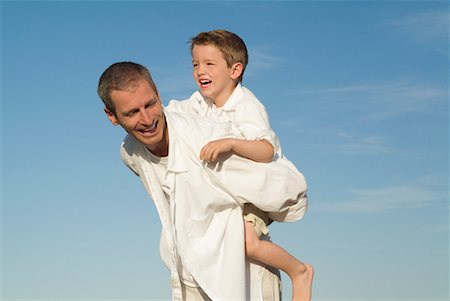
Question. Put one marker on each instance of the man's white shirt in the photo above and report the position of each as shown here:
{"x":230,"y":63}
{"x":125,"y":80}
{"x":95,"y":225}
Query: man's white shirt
{"x":201,"y":211}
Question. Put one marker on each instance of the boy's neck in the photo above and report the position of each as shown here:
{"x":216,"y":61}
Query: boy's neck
{"x":221,"y":101}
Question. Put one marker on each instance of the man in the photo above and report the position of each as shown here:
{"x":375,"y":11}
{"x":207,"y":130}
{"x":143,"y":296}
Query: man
{"x":199,"y":203}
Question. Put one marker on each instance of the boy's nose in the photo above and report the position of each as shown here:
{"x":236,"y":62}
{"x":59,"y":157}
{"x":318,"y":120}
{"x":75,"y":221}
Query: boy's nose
{"x":200,"y":71}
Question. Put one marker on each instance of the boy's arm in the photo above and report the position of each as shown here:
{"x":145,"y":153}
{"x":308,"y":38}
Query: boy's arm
{"x":256,"y":150}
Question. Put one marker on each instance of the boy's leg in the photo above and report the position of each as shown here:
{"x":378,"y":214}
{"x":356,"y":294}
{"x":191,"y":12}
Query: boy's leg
{"x":255,"y":225}
{"x":273,"y":255}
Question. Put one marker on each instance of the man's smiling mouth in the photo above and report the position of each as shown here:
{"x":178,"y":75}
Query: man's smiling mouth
{"x":149,"y":130}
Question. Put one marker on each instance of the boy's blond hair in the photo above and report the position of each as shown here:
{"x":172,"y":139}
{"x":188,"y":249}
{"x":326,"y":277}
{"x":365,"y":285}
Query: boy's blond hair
{"x":231,"y":45}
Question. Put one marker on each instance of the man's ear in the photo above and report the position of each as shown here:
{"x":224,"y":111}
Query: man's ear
{"x":111,"y":116}
{"x":236,"y":70}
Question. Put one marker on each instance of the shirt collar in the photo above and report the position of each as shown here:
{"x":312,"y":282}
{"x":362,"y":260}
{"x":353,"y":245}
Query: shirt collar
{"x":233,"y":100}
{"x":230,"y":104}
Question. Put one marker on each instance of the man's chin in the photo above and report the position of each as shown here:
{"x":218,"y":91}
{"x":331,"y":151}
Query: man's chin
{"x":148,"y":141}
{"x":144,"y":139}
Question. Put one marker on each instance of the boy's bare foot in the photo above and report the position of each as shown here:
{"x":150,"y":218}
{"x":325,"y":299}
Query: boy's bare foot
{"x":302,"y":284}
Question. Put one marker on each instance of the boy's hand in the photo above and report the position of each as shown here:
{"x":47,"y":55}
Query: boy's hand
{"x":211,"y":151}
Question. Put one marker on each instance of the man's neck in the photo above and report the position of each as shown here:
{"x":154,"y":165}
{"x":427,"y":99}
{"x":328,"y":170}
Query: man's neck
{"x":159,"y":152}
{"x":162,"y":150}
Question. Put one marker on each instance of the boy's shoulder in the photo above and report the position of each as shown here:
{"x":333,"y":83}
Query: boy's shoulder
{"x":242,"y":97}
{"x":249,"y":95}
{"x":247,"y":101}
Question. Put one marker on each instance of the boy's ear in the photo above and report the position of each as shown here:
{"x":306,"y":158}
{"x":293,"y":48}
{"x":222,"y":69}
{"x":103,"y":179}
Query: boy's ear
{"x":236,"y":70}
{"x":111,"y":116}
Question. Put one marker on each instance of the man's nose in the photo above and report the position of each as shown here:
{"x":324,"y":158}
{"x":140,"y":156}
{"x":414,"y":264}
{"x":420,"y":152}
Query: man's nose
{"x":145,"y":117}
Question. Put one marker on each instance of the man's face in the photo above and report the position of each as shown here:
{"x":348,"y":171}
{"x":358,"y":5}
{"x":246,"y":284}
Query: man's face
{"x":139,"y":112}
{"x":212,"y":74}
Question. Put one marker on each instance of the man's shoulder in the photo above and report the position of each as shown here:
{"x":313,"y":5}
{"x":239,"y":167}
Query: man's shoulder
{"x":130,"y":150}
{"x":130,"y":147}
{"x":129,"y":141}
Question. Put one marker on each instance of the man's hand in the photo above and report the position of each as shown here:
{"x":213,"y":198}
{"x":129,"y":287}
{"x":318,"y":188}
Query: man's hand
{"x":211,"y":151}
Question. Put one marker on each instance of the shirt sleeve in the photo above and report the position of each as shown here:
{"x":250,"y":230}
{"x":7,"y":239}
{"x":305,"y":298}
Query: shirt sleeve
{"x":181,"y":106}
{"x":252,"y":121}
{"x":272,"y":187}
{"x":189,"y":105}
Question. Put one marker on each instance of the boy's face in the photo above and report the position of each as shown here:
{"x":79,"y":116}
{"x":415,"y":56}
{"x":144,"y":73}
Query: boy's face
{"x":139,"y":112}
{"x":214,"y":78}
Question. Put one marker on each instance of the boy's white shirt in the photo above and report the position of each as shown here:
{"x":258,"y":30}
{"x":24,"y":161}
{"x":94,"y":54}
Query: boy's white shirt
{"x":246,"y":118}
{"x":244,"y":113}
{"x":205,"y":233}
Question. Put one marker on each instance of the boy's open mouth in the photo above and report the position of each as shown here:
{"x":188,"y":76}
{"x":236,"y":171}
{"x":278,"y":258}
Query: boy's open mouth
{"x":205,"y":83}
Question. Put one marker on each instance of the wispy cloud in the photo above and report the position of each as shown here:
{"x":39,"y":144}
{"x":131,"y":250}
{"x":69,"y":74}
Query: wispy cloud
{"x":429,"y":28}
{"x":402,"y":97}
{"x":175,"y":84}
{"x":346,"y":143}
{"x":376,"y":247}
{"x":437,"y":228}
{"x":261,"y":59}
{"x":414,"y":195}
{"x":423,"y":26}
{"x":383,"y":100}
{"x":345,"y":122}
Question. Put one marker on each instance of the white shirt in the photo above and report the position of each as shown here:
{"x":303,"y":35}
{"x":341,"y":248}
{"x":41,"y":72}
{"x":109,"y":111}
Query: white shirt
{"x":159,"y":165}
{"x":246,"y":118}
{"x":202,"y":225}
{"x":245,"y":114}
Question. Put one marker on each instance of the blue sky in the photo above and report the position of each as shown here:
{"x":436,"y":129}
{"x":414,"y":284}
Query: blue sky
{"x":357,"y":91}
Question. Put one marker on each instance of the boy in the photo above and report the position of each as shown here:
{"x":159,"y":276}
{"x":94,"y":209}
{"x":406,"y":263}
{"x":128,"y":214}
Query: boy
{"x":219,"y":59}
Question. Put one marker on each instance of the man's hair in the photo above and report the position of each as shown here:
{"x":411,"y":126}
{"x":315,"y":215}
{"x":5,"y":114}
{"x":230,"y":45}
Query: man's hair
{"x":231,"y":45}
{"x":122,"y":76}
